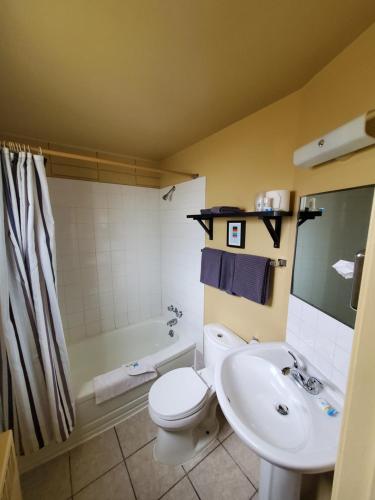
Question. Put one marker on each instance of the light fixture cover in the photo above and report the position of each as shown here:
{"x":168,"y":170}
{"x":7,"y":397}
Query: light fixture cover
{"x":356,"y":134}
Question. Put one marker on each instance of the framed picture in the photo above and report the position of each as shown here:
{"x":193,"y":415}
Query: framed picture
{"x":236,"y":230}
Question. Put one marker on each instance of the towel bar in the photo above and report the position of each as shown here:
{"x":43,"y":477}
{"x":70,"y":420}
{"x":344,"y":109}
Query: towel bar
{"x":278,"y":263}
{"x":275,"y":263}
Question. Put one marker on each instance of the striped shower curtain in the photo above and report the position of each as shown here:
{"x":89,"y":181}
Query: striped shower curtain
{"x":36,"y":397}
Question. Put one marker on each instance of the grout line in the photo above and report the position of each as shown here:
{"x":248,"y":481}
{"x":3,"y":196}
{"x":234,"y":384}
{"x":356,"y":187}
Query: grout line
{"x":126,"y":467}
{"x":98,"y":477}
{"x":225,"y":438}
{"x":191,"y":482}
{"x":70,"y":476}
{"x":136,"y":451}
{"x":203,"y":458}
{"x":171,"y":488}
{"x":239,"y":466}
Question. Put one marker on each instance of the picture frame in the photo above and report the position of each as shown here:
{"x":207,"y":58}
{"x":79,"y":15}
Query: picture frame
{"x":236,"y":233}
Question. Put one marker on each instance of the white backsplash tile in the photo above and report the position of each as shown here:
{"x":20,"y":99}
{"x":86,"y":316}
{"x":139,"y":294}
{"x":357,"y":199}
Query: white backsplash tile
{"x":326,"y":342}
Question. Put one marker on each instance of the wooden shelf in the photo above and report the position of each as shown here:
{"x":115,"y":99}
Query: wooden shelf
{"x":266,"y":217}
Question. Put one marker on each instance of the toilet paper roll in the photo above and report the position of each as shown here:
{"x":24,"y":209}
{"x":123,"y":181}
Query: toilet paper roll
{"x":280,"y":199}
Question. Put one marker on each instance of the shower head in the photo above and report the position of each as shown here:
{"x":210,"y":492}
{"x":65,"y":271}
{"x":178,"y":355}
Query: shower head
{"x":168,"y":196}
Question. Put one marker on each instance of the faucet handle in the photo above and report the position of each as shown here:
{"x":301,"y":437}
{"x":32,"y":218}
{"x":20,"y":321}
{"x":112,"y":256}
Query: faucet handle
{"x":170,"y":308}
{"x":313,"y":385}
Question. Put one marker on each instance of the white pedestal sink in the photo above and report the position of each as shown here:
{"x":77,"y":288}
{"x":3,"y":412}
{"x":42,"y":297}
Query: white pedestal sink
{"x":279,"y":420}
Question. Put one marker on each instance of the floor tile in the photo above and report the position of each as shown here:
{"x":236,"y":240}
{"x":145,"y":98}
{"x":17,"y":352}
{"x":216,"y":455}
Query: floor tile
{"x":51,"y":480}
{"x":135,"y":432}
{"x":198,"y":458}
{"x":93,"y":458}
{"x":225,"y":429}
{"x":182,"y":491}
{"x":114,"y":485}
{"x":248,"y":461}
{"x":151,"y":479}
{"x":219,"y":478}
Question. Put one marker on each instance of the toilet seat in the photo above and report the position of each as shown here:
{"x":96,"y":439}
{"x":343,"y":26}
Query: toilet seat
{"x":178,"y":394}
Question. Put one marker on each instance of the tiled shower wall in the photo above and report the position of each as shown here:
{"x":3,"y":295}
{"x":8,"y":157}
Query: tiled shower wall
{"x":181,"y":242}
{"x":108,"y":255}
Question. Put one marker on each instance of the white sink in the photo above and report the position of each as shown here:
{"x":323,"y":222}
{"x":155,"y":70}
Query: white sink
{"x":250,"y":387}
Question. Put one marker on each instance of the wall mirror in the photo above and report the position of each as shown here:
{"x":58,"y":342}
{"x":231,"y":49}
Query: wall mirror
{"x":339,"y":233}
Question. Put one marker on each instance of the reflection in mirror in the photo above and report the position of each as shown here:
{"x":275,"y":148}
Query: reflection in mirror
{"x":337,"y":235}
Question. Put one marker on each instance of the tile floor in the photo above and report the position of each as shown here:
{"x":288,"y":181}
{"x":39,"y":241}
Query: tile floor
{"x":118,"y":464}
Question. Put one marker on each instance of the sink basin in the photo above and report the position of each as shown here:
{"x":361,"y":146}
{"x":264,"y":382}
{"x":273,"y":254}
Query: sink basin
{"x":279,"y":420}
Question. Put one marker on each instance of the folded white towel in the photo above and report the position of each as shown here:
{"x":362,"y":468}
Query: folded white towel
{"x":118,"y":381}
{"x":345,"y":268}
{"x":140,"y":367}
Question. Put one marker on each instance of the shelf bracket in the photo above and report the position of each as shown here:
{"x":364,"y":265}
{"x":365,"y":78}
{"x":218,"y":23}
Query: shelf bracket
{"x":208,"y":228}
{"x":304,"y":216}
{"x":275,"y":231}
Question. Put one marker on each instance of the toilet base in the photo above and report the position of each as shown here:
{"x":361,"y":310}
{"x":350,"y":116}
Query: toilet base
{"x":177,"y":447}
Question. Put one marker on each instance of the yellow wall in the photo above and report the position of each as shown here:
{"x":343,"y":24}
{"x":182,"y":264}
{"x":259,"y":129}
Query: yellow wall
{"x":255,"y":154}
{"x":342,"y":91}
{"x":251,"y":155}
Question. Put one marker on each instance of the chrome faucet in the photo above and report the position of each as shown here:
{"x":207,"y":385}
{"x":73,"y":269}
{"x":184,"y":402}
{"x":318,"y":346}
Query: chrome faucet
{"x":311,"y":384}
{"x":172,"y":322}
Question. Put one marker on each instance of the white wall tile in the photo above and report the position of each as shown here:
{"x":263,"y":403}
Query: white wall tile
{"x":93,"y":328}
{"x":326,"y":342}
{"x":114,"y":243}
{"x":105,"y":248}
{"x":75,"y":334}
{"x":181,"y":244}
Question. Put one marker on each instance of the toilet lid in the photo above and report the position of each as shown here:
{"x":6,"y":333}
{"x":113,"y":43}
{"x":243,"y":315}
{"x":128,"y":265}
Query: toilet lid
{"x":178,"y":394}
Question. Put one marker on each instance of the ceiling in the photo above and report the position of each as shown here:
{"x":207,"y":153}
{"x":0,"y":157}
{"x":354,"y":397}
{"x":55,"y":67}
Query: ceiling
{"x":150,"y":77}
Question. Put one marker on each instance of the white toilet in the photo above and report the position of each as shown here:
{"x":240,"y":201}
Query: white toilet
{"x":182,"y":403}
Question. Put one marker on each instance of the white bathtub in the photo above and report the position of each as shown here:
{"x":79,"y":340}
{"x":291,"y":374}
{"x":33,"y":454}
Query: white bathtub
{"x":103,"y":353}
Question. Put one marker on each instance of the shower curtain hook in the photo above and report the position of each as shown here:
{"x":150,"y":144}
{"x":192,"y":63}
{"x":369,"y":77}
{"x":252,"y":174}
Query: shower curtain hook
{"x":40,"y":151}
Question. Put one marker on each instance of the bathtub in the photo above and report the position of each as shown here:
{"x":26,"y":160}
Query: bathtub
{"x":102,"y":353}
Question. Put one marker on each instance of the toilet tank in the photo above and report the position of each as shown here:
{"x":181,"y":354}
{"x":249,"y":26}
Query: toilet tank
{"x":218,"y":340}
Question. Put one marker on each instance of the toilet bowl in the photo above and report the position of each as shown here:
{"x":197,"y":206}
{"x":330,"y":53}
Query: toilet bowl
{"x":182,"y":403}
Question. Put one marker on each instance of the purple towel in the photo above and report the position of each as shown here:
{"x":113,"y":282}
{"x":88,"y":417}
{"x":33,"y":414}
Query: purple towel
{"x":251,"y":277}
{"x":227,"y":272}
{"x":211,"y":266}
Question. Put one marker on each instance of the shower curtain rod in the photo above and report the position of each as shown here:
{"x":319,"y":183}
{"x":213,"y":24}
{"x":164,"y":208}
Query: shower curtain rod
{"x":17,"y":147}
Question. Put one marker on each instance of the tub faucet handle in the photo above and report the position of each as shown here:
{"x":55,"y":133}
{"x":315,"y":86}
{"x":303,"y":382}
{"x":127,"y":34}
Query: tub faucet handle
{"x":171,"y":308}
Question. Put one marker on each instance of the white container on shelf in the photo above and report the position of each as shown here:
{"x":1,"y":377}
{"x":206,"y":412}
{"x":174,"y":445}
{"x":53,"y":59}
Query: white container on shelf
{"x":259,"y":202}
{"x":280,"y":199}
